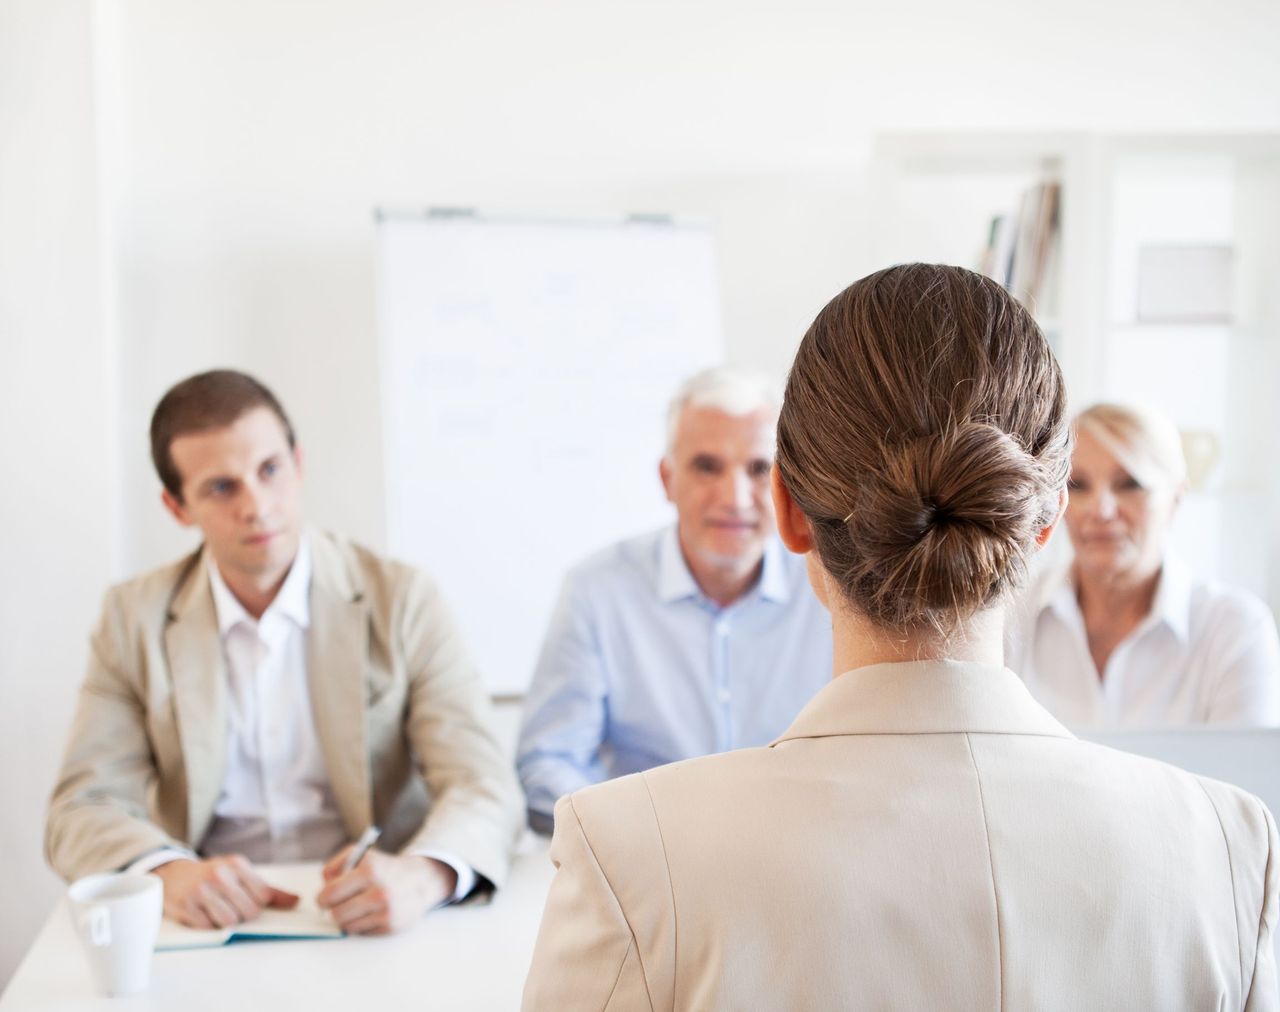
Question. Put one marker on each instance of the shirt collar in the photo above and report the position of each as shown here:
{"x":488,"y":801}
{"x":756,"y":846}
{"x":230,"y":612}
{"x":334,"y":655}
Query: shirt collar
{"x":1060,"y":598}
{"x":292,"y":601}
{"x":1172,"y":603}
{"x":774,"y":585}
{"x":676,"y":582}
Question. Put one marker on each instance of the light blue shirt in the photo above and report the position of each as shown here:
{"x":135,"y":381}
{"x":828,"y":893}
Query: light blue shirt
{"x":640,"y":668}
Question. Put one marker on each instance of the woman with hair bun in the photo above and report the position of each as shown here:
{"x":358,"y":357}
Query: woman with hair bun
{"x":1124,"y":635}
{"x":925,"y":835}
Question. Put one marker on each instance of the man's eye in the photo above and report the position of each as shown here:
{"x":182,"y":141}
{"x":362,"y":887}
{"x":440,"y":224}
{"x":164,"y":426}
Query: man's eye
{"x":220,"y":488}
{"x":705,"y":465}
{"x":759,"y":468}
{"x":1129,"y":484}
{"x":270,"y":468}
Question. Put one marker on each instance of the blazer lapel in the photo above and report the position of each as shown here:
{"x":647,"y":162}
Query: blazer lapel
{"x":198,"y":675}
{"x":338,"y":648}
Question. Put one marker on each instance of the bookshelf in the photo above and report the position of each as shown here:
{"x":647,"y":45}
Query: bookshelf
{"x":1131,"y":205}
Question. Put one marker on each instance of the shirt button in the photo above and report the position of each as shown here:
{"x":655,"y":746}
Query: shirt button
{"x":722,"y":628}
{"x":724,"y":695}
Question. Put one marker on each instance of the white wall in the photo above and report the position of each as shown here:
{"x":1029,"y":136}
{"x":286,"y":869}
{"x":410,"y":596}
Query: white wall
{"x":249,"y":142}
{"x":260,"y":135}
{"x":55,"y":507}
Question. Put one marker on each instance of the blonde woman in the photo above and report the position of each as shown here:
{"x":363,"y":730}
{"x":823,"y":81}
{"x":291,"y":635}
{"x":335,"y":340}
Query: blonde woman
{"x":1125,"y":635}
{"x":925,"y":835}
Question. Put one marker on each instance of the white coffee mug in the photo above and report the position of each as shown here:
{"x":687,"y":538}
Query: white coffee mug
{"x":117,"y":917}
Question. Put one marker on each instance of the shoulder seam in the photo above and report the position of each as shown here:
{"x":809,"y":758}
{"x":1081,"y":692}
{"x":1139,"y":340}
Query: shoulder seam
{"x":618,"y":979}
{"x":618,"y":903}
{"x":675,"y":921}
{"x":1231,"y":871}
{"x":1262,"y":912}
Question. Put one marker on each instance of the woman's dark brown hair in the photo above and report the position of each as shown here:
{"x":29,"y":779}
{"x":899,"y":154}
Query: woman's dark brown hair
{"x":924,"y":435}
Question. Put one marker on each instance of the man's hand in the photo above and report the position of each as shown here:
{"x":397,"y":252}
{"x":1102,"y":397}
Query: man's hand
{"x":218,"y":892}
{"x":384,"y":892}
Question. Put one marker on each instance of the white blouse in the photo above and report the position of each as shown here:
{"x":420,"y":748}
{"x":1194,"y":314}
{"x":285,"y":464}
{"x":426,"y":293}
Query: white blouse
{"x":1205,"y":654}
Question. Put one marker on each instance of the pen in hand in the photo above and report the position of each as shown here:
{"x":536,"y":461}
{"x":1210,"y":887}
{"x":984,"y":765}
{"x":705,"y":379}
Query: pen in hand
{"x":367,"y":839}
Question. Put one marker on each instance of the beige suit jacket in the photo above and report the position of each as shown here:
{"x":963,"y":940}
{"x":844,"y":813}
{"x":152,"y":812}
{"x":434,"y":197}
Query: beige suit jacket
{"x":402,"y":718}
{"x":925,"y":836}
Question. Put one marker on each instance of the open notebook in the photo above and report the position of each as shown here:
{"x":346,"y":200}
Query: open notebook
{"x":306,"y":920}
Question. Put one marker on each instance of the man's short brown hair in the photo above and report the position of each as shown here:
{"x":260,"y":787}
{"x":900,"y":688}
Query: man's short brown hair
{"x":208,"y":400}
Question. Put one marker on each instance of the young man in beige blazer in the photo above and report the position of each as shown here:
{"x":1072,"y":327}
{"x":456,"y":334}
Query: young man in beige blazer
{"x":272,"y":696}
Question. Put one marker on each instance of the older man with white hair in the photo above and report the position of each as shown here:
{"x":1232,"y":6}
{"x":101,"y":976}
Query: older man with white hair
{"x":696,"y":638}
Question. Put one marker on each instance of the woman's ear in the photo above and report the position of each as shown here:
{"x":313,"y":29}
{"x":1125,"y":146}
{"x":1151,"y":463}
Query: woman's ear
{"x":1046,"y":532}
{"x":793,"y":525}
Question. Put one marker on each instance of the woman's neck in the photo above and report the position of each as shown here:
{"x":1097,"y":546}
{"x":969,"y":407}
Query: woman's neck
{"x":857,"y":642}
{"x":1115,"y":599}
{"x":1112,"y":607}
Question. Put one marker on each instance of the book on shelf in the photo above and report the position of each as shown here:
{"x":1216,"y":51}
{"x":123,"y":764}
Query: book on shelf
{"x":1022,"y":244}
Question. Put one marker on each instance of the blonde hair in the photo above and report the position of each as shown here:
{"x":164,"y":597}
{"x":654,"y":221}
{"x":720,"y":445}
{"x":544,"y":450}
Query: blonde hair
{"x":1142,"y":438}
{"x":923,"y":434}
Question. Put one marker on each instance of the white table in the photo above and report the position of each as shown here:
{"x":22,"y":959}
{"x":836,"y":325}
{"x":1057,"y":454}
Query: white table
{"x":462,"y":958}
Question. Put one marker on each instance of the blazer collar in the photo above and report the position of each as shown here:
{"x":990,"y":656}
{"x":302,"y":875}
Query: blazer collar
{"x":924,"y":697}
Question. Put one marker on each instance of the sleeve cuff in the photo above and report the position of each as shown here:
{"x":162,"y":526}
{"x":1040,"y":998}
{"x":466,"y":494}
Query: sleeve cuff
{"x":153,"y":859}
{"x":466,"y":874}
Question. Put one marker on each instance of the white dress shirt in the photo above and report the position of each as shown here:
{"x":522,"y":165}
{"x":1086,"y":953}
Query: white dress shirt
{"x":1205,"y":654}
{"x":276,"y":804}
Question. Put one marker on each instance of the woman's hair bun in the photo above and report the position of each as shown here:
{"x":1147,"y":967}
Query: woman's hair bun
{"x":944,"y":524}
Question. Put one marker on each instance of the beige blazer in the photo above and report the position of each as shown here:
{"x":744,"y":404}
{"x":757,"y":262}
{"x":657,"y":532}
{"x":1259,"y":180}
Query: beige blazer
{"x":925,"y":836}
{"x":391,"y":691}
